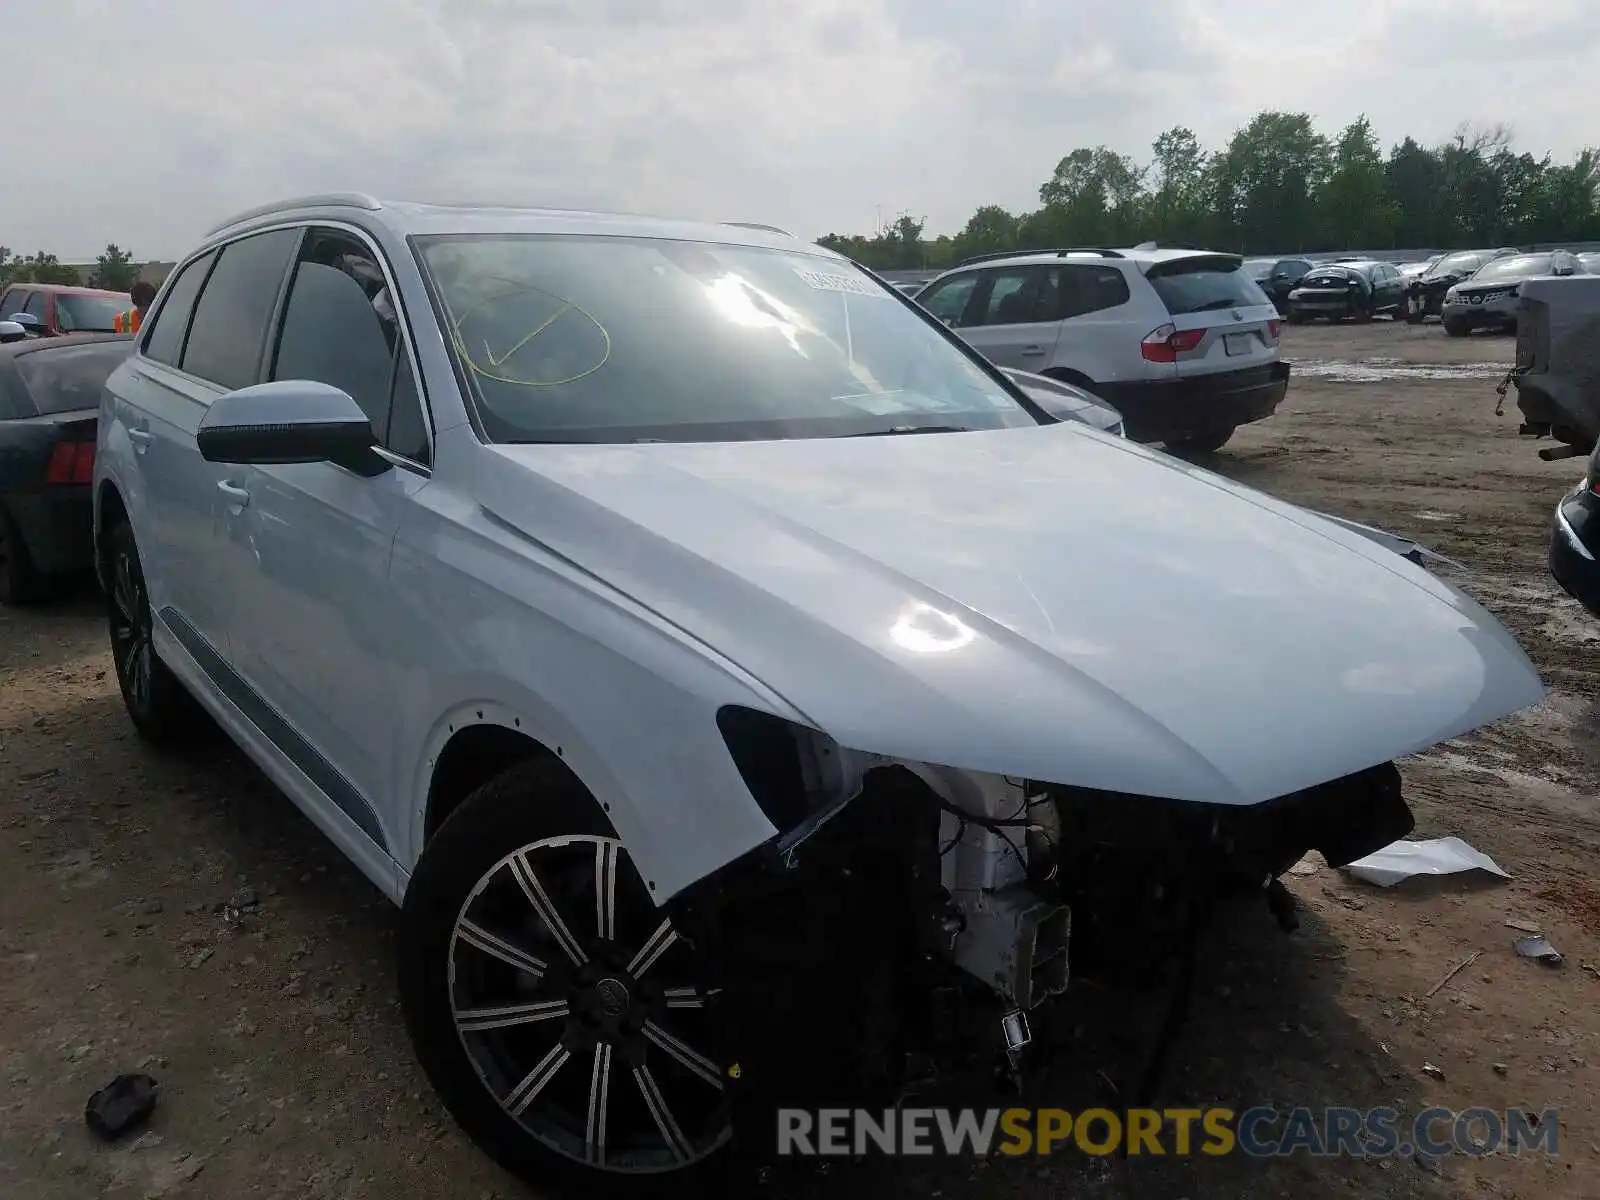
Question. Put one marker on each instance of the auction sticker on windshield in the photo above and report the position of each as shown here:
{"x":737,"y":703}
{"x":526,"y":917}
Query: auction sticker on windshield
{"x":824,"y":281}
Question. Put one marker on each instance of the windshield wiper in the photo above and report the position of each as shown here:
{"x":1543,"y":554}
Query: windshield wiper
{"x":895,"y":429}
{"x":1213,"y":305}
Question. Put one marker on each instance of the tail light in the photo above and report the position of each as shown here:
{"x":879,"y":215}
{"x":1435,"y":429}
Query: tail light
{"x":1274,"y":328}
{"x":1165,"y":344}
{"x":71,"y":462}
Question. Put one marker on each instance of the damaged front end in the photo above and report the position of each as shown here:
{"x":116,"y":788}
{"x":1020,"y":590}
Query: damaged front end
{"x":890,"y":882}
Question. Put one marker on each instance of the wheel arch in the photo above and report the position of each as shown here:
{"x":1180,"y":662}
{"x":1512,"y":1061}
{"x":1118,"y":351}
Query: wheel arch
{"x":475,"y":753}
{"x":110,"y":510}
{"x":1068,"y":375}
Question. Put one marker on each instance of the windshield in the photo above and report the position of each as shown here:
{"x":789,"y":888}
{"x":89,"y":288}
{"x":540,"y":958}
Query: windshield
{"x":613,"y":339}
{"x":1203,"y":284}
{"x":1521,"y":265}
{"x":89,"y":314}
{"x":1456,"y":264}
{"x":65,"y":378}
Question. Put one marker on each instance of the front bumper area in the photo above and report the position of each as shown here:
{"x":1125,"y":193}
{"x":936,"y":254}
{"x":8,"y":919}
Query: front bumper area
{"x":1328,"y":304}
{"x":1489,"y":314}
{"x":1197,"y":405}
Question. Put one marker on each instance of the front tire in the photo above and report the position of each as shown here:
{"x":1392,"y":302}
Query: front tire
{"x":162,"y":712}
{"x":1456,"y":329}
{"x":559,"y":1015}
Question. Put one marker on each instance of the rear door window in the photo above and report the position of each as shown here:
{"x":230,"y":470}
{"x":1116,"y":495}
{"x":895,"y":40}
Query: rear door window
{"x":229,"y":330}
{"x":1087,"y":290}
{"x":1204,"y":284}
{"x":1015,"y":296}
{"x":68,"y":378}
{"x":163,"y":339}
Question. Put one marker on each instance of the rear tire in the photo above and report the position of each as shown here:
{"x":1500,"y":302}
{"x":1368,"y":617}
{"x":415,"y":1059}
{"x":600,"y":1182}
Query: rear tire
{"x":20,"y":582}
{"x":162,"y":711}
{"x":1208,"y":443}
{"x":595,"y":1058}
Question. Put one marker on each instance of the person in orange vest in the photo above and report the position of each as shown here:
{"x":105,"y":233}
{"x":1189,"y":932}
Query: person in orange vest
{"x":141,"y":294}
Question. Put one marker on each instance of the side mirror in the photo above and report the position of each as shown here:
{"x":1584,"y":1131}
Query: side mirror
{"x":11,"y":331}
{"x":291,"y":421}
{"x":31,"y":325}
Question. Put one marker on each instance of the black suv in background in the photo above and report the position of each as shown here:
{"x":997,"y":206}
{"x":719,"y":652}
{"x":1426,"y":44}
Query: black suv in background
{"x":1281,"y":277}
{"x":1425,"y":294}
{"x":1349,"y":288}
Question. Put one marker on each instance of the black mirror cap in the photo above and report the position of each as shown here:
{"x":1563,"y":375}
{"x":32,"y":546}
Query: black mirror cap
{"x":1578,"y":574}
{"x":347,"y":443}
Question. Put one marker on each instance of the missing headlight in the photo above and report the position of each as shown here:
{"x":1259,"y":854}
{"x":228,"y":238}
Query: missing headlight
{"x":798,"y":776}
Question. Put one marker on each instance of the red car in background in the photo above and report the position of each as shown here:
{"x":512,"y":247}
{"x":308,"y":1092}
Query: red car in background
{"x":60,"y":308}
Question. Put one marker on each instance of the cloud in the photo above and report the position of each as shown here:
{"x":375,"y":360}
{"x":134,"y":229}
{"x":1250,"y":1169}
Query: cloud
{"x":813,"y":114}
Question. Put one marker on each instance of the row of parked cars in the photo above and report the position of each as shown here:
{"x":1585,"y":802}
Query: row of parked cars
{"x":1467,"y":289}
{"x":714,"y":655}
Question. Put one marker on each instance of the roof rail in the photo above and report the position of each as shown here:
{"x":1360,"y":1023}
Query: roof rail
{"x":1059,"y":253}
{"x":757,"y":225}
{"x":321,"y":200}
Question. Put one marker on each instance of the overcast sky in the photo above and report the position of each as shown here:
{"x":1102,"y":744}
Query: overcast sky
{"x":144,"y":121}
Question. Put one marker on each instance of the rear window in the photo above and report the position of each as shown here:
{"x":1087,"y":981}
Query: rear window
{"x":1195,"y":285}
{"x":65,"y":378}
{"x":89,"y":314}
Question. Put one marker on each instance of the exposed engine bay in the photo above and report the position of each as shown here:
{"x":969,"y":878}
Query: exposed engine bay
{"x":892,"y":882}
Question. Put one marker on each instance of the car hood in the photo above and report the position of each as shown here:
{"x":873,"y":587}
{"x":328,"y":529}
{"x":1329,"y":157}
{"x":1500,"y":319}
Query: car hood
{"x":1498,"y":284}
{"x":1044,"y":602}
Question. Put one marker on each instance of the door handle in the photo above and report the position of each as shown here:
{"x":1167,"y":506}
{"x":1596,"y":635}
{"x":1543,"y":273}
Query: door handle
{"x":141,"y":439}
{"x":1032,"y":351}
{"x":234,"y":493}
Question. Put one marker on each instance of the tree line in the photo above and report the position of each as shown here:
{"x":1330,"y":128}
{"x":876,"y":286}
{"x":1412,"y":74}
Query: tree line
{"x":114,"y":270}
{"x":1278,"y":186}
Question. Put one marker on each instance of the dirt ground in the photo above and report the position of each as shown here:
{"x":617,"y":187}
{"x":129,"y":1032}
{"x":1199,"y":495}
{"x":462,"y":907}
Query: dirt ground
{"x":286,"y":1073}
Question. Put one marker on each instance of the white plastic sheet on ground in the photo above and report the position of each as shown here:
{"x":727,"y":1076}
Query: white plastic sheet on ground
{"x":1405,"y":860}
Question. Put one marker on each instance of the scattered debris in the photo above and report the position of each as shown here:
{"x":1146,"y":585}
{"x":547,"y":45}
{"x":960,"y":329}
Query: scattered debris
{"x":38,"y":776}
{"x":1309,"y":865}
{"x":123,"y":1104}
{"x":1427,"y":1163}
{"x":243,"y":902}
{"x":1501,"y":1069}
{"x":1405,"y":860}
{"x":1456,"y":970}
{"x":1535,"y":946}
{"x":1592,"y":969}
{"x":1432,"y":1072}
{"x":1524,"y":926}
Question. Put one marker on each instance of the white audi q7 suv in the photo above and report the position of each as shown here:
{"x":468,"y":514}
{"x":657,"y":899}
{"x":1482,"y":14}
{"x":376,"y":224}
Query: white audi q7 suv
{"x":710,"y":653}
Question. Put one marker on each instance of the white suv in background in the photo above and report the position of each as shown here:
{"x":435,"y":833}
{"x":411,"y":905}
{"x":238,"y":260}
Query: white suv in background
{"x":1184,"y":343}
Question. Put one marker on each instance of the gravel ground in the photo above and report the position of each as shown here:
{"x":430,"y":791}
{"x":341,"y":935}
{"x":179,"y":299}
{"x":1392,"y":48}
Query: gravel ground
{"x":286,"y":1073}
